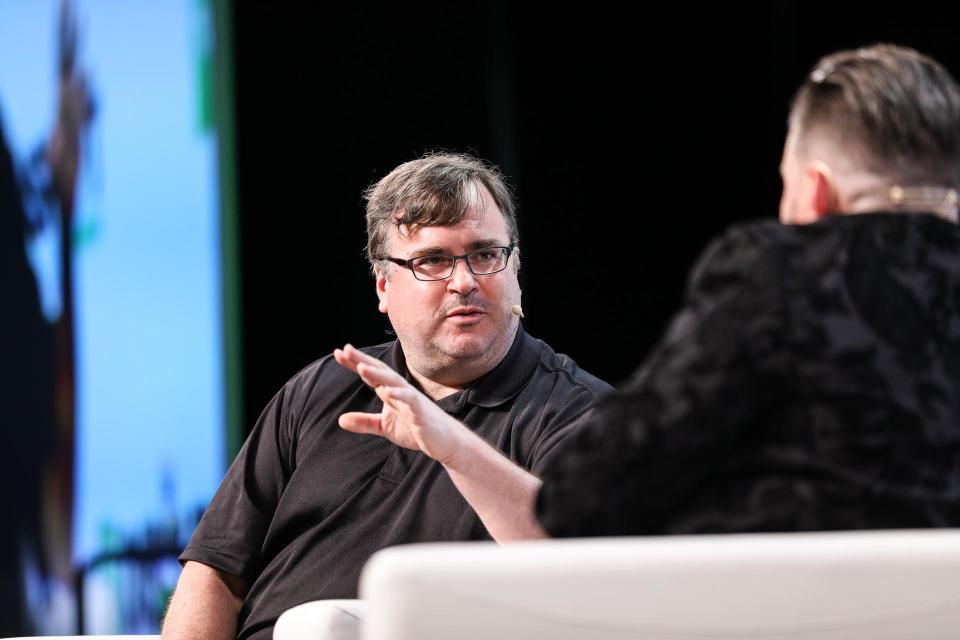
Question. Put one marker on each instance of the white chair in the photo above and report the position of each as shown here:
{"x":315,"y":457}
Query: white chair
{"x":321,"y":620}
{"x":823,"y":586}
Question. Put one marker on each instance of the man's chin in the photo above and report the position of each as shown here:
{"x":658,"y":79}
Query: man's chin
{"x":466,"y":346}
{"x":473,"y":344}
{"x":461,"y":351}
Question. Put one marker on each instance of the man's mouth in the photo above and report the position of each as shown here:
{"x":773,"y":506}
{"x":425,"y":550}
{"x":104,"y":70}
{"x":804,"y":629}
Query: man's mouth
{"x":465,"y":315}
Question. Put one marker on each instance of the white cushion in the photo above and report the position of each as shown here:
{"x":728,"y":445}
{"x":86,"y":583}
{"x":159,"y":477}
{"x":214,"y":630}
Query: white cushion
{"x":321,"y":620}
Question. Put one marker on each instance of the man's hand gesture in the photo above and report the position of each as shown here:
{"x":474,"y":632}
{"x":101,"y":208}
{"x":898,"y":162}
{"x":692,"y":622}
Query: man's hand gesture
{"x":409,"y":418}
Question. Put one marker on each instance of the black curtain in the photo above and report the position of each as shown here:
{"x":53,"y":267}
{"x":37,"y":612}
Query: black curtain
{"x":631,"y":139}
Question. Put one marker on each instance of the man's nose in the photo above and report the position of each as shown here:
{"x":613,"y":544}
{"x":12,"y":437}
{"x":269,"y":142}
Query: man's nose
{"x":462,"y":281}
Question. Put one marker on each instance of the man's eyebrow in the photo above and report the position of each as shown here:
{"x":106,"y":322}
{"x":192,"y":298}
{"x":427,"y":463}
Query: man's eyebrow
{"x":484,"y":244}
{"x":428,"y":251}
{"x":473,"y":246}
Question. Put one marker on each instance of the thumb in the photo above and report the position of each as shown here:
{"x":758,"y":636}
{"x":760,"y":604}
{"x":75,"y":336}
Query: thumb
{"x":357,"y":422}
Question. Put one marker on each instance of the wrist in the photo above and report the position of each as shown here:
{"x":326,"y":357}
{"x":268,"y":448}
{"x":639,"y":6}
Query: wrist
{"x":462,"y":442}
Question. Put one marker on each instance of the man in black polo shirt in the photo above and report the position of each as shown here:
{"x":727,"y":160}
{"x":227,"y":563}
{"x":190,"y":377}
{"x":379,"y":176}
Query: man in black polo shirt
{"x":466,"y":403}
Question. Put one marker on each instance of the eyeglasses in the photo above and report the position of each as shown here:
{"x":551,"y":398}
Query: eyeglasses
{"x":481,"y":262}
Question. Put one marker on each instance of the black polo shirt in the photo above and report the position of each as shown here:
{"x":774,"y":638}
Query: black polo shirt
{"x":306,"y":503}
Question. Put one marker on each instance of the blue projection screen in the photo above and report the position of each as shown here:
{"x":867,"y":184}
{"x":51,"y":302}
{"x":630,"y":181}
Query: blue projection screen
{"x":141,"y":445}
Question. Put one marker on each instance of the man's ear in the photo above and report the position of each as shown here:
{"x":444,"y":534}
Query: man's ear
{"x":819,"y":196}
{"x":382,"y":285}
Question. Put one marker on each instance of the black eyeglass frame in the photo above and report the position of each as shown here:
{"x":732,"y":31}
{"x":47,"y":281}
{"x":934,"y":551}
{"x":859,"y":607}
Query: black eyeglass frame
{"x":453,"y":267}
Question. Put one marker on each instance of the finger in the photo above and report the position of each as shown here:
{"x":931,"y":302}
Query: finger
{"x":358,"y":422}
{"x":378,"y":376}
{"x":406,"y":394}
{"x":343,"y":360}
{"x":384,"y":394}
{"x":400,"y":399}
{"x":357,"y":356}
{"x":350,"y":357}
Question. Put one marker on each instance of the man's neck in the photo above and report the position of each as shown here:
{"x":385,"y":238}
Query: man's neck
{"x":871,"y":205}
{"x":435,"y":390}
{"x":869,"y":194}
{"x":445,"y":381}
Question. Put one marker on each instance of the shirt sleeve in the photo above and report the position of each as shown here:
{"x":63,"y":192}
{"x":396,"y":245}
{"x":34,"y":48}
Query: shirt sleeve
{"x":578,"y":416}
{"x":231,"y":532}
{"x":679,"y":419}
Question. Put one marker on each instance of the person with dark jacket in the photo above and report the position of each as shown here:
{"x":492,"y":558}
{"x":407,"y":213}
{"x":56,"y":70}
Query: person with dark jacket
{"x":810,"y":381}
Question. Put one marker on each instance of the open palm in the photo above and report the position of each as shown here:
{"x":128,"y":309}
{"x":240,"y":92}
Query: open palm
{"x":408,"y":419}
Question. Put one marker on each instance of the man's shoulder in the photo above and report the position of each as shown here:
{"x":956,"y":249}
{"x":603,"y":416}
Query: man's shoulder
{"x":749,"y":237}
{"x":324,"y":377}
{"x":749,"y":251}
{"x":765,"y":237}
{"x":567,"y":373}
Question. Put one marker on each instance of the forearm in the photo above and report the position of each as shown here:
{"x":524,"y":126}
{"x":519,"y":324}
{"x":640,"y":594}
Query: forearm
{"x":500,"y":492}
{"x":204,"y":605}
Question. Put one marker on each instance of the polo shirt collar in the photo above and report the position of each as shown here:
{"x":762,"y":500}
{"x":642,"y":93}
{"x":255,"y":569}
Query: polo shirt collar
{"x":510,"y":376}
{"x":493,"y":388}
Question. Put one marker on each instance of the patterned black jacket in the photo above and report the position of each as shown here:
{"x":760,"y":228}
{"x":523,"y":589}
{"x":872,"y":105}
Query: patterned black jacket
{"x":811,"y":382}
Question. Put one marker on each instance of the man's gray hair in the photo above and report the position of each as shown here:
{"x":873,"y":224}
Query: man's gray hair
{"x":434,"y":190}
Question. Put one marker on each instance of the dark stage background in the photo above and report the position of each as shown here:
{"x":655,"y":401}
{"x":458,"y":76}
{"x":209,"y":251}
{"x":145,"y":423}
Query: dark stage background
{"x":632,"y":136}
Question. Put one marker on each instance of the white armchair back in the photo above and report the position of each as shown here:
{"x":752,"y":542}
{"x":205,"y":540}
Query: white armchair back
{"x":823,"y":586}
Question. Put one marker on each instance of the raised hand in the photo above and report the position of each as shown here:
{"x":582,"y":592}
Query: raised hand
{"x":408,"y":419}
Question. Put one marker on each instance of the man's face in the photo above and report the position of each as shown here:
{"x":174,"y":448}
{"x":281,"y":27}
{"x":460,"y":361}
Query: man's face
{"x":463,"y":321}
